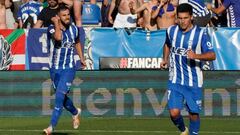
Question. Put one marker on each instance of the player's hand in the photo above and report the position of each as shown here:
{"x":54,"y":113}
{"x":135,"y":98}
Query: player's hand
{"x":55,"y":19}
{"x":163,"y":65}
{"x":191,"y":54}
{"x":83,"y":64}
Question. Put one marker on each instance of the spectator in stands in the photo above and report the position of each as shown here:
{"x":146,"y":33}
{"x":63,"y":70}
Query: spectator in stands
{"x":124,"y":18}
{"x":3,"y":24}
{"x":93,"y":1}
{"x":15,"y":7}
{"x":219,"y":20}
{"x":201,"y":15}
{"x":165,"y":13}
{"x":104,"y":13}
{"x":148,"y":23}
{"x":69,"y":3}
{"x":233,"y":7}
{"x":9,"y":14}
{"x":28,"y":12}
{"x":44,"y":18}
{"x":77,"y":9}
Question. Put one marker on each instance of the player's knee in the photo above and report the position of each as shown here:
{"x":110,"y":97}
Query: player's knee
{"x":174,"y":113}
{"x":194,"y":116}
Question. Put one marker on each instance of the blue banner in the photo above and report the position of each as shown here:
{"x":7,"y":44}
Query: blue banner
{"x":129,"y":43}
{"x":38,"y":49}
{"x":227,"y":48}
{"x":109,"y":42}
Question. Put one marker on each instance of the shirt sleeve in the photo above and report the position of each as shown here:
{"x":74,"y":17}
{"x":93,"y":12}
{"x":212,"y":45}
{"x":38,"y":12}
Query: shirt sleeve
{"x":206,"y":42}
{"x":168,"y":41}
{"x":51,"y":29}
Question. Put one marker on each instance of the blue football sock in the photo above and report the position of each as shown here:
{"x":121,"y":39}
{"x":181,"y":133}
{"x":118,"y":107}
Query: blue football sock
{"x":68,"y":104}
{"x":194,"y":126}
{"x":179,"y":123}
{"x":59,"y":98}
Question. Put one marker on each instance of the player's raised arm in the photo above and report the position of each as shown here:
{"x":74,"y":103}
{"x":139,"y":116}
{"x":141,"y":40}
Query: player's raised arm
{"x":58,"y":33}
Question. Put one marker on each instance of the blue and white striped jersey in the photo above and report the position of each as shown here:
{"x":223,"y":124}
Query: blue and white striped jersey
{"x":29,"y":9}
{"x":199,"y":8}
{"x":63,"y":51}
{"x":182,"y":70}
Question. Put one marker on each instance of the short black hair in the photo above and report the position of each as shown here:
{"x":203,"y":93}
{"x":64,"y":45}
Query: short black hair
{"x":185,"y":7}
{"x":62,"y":7}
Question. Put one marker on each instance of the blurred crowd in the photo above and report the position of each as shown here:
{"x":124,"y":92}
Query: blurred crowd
{"x":147,"y":14}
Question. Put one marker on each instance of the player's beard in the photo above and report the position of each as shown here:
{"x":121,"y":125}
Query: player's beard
{"x":66,"y":23}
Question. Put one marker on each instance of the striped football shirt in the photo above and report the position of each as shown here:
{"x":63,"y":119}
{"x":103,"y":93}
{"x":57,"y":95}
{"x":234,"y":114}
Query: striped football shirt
{"x":63,"y":51}
{"x":182,"y":70}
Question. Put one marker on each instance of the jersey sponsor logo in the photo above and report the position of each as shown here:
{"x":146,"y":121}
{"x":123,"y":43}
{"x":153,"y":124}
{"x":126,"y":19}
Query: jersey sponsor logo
{"x":179,"y":51}
{"x":67,"y":44}
{"x":209,"y":45}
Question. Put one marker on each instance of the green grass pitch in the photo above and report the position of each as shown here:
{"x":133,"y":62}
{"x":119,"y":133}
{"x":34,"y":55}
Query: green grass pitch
{"x":116,"y":126}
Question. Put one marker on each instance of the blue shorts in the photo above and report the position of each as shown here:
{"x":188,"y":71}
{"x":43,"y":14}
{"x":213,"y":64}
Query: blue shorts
{"x":62,"y":79}
{"x":178,"y":95}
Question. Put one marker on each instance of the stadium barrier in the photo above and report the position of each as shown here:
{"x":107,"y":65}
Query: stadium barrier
{"x":114,"y":93}
{"x":29,"y":49}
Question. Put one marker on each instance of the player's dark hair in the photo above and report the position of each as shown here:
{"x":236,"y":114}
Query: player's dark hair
{"x":62,"y":7}
{"x":185,"y":8}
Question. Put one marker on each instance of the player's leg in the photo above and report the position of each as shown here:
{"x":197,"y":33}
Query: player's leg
{"x":177,"y":119}
{"x":194,"y":124}
{"x":68,"y":104}
{"x":55,"y":77}
{"x":64,"y":80}
{"x":194,"y":101}
{"x":57,"y":111}
{"x":175,"y":104}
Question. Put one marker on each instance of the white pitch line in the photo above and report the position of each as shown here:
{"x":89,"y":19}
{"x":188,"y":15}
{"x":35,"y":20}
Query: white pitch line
{"x":115,"y":131}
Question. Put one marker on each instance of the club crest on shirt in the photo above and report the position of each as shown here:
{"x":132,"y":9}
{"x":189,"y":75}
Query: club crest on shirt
{"x":190,"y":43}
